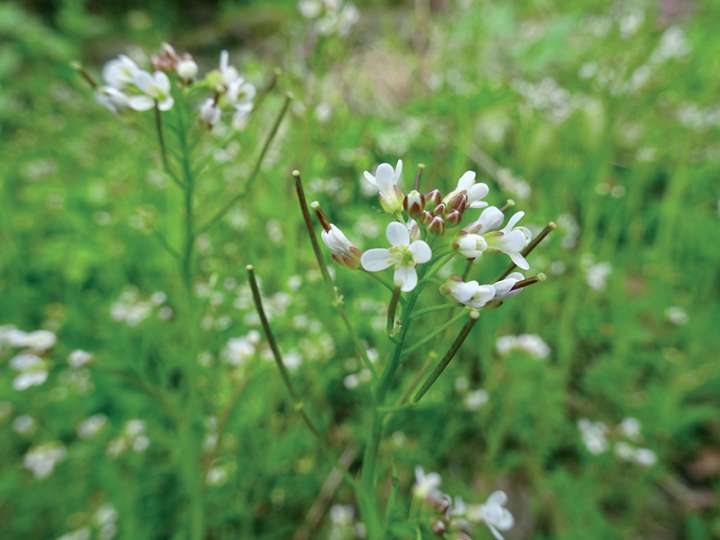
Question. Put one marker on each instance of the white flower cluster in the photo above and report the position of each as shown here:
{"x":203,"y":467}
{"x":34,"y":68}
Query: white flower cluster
{"x":128,"y":86}
{"x":31,"y":367}
{"x":456,"y":516}
{"x":330,"y":16}
{"x":41,"y":460}
{"x":597,"y":438}
{"x":418,"y":216}
{"x":132,"y":309}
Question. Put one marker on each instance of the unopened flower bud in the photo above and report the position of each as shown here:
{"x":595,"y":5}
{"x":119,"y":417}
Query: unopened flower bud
{"x":414,"y":203}
{"x":439,"y":527}
{"x":426,"y":217}
{"x":454,"y":217}
{"x":458,"y":202}
{"x":186,"y":68}
{"x":166,"y":59}
{"x":437,"y":225}
{"x":439,"y":502}
{"x":439,"y":210}
{"x":434,"y":197}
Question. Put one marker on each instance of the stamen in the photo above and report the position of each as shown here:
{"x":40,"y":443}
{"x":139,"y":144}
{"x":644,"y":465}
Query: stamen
{"x":508,"y":205}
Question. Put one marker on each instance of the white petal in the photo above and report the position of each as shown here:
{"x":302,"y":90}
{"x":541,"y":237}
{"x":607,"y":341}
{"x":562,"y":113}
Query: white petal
{"x":224,"y":59}
{"x":397,"y":234}
{"x":398,"y":170}
{"x":513,"y":220}
{"x":478,"y":204}
{"x":464,"y":291}
{"x":519,"y":261}
{"x":421,"y":251}
{"x":370,"y":178}
{"x":482,"y":296}
{"x":374,"y":260}
{"x":143,"y":80}
{"x":497,"y":497}
{"x":477,"y":192}
{"x":166,"y":104}
{"x":385,"y":178}
{"x":141,"y":103}
{"x":466,"y":180}
{"x":162,"y":81}
{"x":405,"y":277}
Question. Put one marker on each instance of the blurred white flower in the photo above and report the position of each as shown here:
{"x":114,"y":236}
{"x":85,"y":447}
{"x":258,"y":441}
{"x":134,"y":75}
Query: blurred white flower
{"x":594,"y":435}
{"x":186,"y":68}
{"x":403,"y":255}
{"x":476,"y":399}
{"x":531,"y":344}
{"x":677,"y":315}
{"x":597,"y":275}
{"x":630,"y":427}
{"x":79,"y":358}
{"x":120,"y":72}
{"x":33,"y":371}
{"x":493,"y":513}
{"x":426,"y":485}
{"x":79,"y":534}
{"x":210,"y":112}
{"x":91,"y":426}
{"x":41,"y":460}
{"x":24,"y":424}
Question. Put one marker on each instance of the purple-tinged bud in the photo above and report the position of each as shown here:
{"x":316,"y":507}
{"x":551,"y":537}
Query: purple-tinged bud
{"x":454,"y":217}
{"x":437,"y":225}
{"x":426,"y":217}
{"x":439,"y":502}
{"x":434,"y":197}
{"x":414,"y":203}
{"x":439,"y":527}
{"x":458,"y":202}
{"x":439,"y":209}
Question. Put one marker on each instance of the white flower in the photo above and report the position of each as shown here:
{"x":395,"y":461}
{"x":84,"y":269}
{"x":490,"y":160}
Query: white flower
{"x":630,"y":427}
{"x":32,"y":368}
{"x":469,"y":293}
{"x":310,"y":8}
{"x":426,"y":485}
{"x":403,"y":255}
{"x":343,"y":251}
{"x":91,"y":426}
{"x":39,"y":340}
{"x":386,"y":180}
{"x":511,"y":240}
{"x":597,"y":275}
{"x":676,"y":315}
{"x":79,"y":358}
{"x":475,"y":192}
{"x":645,"y":457}
{"x":228,"y":74}
{"x":186,"y":68}
{"x":493,"y":513}
{"x":210,"y":112}
{"x":490,"y":219}
{"x":504,"y":287}
{"x":474,"y":400}
{"x":240,"y":94}
{"x":154,"y":89}
{"x":470,"y":246}
{"x":120,"y":72}
{"x":593,"y":435}
{"x":78,"y":534}
{"x":41,"y":460}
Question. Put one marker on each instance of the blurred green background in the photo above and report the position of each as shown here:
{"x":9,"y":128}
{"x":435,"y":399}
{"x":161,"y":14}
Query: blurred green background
{"x":601,"y":116}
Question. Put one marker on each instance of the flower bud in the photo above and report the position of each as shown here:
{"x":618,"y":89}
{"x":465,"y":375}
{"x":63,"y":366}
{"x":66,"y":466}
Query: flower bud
{"x":414,"y":203}
{"x":434,"y":197}
{"x":209,"y":113}
{"x":470,"y":246}
{"x":437,"y":225}
{"x":187,"y":68}
{"x":454,"y":217}
{"x":426,"y":217}
{"x":439,"y":527}
{"x":458,"y":202}
{"x":439,"y":209}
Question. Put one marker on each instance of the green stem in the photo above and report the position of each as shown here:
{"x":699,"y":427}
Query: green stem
{"x":392,"y":308}
{"x":433,"y":334}
{"x":448,"y":356}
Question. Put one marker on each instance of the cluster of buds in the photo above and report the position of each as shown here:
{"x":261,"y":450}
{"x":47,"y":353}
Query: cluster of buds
{"x":126,"y":86}
{"x":437,"y":211}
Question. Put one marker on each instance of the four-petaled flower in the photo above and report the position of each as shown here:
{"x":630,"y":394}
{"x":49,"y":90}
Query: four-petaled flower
{"x":493,"y":513}
{"x":386,"y":181}
{"x":403,"y":255}
{"x":511,"y":240}
{"x":426,"y":485}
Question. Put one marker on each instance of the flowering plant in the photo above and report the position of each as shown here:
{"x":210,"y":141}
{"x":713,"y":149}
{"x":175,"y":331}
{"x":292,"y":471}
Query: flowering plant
{"x":427,"y":230}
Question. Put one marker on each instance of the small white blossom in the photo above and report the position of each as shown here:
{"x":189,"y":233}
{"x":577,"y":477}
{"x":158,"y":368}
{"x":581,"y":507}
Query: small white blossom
{"x":186,"y":68}
{"x":511,"y":240}
{"x":630,"y":427}
{"x":476,"y":399}
{"x":386,"y":180}
{"x":41,"y":460}
{"x":597,"y":275}
{"x":343,"y":251}
{"x":210,"y":113}
{"x":426,"y":485}
{"x":91,"y":426}
{"x":493,"y":513}
{"x":24,"y":424}
{"x":594,"y":435}
{"x":33,"y":371}
{"x":403,"y":255}
{"x":120,"y":72}
{"x":79,"y":358}
{"x":677,"y":315}
{"x":528,"y":343}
